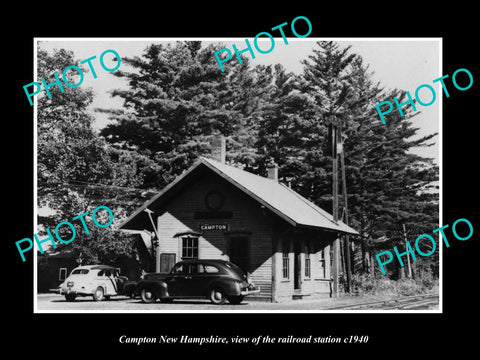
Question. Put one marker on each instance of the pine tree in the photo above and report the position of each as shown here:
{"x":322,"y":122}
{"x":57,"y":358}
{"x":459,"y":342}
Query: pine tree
{"x":385,"y":180}
{"x":176,"y":101}
{"x":327,"y":80}
{"x":288,"y":131}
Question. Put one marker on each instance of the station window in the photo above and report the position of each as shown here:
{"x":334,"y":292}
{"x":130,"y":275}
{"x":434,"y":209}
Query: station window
{"x":190,"y":247}
{"x":286,"y":259}
{"x":322,"y":270}
{"x":62,"y":274}
{"x":307,"y":260}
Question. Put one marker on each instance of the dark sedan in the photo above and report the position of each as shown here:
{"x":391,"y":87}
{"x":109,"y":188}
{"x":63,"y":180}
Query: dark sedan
{"x":216,"y":280}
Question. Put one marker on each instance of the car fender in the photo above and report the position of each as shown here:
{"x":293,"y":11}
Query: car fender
{"x":102,"y":285}
{"x":157,"y":287}
{"x":228,"y":287}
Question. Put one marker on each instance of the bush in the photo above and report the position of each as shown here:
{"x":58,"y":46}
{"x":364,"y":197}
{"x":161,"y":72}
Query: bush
{"x":427,"y":279}
{"x":367,"y":284}
{"x":408,"y":287}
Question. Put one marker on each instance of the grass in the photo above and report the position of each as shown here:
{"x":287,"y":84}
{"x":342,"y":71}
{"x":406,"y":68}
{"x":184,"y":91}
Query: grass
{"x":366,"y":284}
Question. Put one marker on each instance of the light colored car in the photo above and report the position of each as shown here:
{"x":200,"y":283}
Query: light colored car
{"x":99,"y":281}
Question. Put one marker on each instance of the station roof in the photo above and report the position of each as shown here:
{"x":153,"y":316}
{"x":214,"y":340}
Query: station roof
{"x":280,"y":199}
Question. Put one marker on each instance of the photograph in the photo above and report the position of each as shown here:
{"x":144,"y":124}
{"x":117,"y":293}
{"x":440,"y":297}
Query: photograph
{"x":271,"y":185}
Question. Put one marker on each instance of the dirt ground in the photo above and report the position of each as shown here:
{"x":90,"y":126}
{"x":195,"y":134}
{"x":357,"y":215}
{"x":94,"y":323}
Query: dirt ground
{"x":57,"y":303}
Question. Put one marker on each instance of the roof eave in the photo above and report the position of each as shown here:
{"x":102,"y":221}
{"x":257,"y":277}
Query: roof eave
{"x":242,"y":188}
{"x":329,"y":229}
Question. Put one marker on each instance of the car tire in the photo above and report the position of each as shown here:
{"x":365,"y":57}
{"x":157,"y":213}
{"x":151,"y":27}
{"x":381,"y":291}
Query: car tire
{"x":235,"y":300}
{"x":70,"y":297}
{"x":147,"y":296}
{"x":99,"y":294}
{"x":217,"y":296}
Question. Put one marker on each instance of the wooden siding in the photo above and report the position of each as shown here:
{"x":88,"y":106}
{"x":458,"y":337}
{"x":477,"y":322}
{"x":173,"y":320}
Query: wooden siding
{"x":265,"y":233}
{"x":248,"y":219}
{"x":318,"y":284}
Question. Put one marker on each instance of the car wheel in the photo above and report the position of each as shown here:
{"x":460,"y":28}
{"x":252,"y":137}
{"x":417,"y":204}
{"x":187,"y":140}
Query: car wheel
{"x":147,"y":296}
{"x":217,"y":296}
{"x":99,"y":294}
{"x":235,"y":300}
{"x":70,"y":297}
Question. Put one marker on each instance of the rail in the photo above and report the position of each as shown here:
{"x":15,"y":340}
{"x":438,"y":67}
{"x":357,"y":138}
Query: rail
{"x":403,"y":303}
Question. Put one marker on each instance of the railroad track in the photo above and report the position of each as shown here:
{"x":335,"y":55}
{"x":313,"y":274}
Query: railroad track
{"x":416,"y":302}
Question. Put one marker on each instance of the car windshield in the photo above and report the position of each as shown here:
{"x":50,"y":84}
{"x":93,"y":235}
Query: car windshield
{"x":80,"y":272}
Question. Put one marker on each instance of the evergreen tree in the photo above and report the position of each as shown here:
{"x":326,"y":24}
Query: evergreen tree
{"x":176,"y":102}
{"x":385,"y":180}
{"x":289,"y":133}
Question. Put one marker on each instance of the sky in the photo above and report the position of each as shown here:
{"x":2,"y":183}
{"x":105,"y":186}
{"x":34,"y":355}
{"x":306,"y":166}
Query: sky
{"x":402,"y":63}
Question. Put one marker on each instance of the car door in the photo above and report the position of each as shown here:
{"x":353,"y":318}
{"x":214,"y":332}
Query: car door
{"x":98,"y":279}
{"x":104,"y":279}
{"x":186,"y":280}
{"x":110,"y":283}
{"x":176,"y":280}
{"x":197,"y":283}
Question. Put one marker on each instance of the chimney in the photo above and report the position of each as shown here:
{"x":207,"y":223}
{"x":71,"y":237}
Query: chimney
{"x":272,"y":170}
{"x":219,"y":148}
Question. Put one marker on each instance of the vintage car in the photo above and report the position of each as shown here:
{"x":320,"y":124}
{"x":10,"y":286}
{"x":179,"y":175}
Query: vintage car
{"x":99,"y":281}
{"x":216,"y":280}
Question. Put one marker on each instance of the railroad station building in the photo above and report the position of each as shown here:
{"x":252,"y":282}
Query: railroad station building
{"x":217,"y":211}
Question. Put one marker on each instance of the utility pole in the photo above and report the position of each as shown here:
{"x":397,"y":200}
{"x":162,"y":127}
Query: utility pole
{"x":348,"y":264}
{"x":336,"y":242}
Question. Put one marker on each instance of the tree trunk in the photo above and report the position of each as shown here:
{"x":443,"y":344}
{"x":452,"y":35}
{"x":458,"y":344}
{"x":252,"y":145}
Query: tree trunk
{"x":371,"y":262}
{"x":352,"y":257}
{"x":364,"y":257}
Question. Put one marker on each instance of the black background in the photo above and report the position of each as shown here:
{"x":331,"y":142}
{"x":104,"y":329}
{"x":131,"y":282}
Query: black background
{"x":90,"y":334}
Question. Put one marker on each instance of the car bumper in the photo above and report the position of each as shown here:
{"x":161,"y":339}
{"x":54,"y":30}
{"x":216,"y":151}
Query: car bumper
{"x":70,"y":291}
{"x":250,"y":291}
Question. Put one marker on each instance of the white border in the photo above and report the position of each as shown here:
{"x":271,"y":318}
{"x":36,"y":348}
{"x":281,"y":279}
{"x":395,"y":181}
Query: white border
{"x":35,"y":180}
{"x":306,"y":39}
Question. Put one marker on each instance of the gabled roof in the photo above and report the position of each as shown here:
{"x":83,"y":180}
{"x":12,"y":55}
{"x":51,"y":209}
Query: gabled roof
{"x":275,"y":196}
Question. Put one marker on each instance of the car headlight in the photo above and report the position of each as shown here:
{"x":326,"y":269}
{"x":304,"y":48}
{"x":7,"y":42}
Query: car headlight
{"x":70,"y":283}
